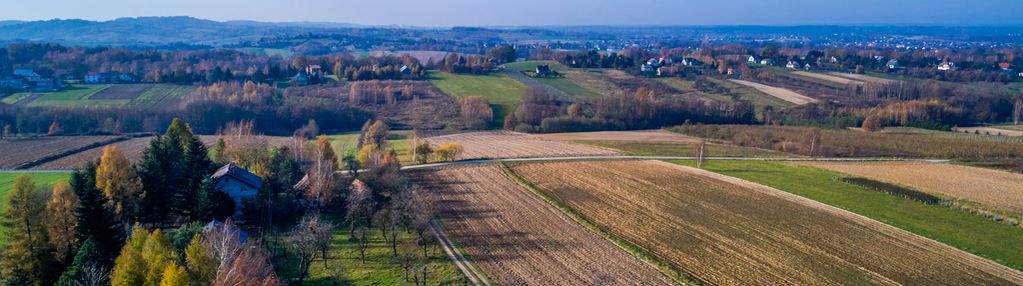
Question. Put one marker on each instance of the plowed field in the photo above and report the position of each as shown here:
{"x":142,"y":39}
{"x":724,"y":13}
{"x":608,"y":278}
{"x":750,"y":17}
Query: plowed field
{"x":728,"y":231}
{"x":502,"y":144}
{"x":15,"y":153}
{"x":517,"y":238}
{"x":990,"y":187}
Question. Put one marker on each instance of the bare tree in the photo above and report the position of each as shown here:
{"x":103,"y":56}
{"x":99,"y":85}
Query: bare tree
{"x":224,"y":244}
{"x":251,"y":266}
{"x":306,"y":240}
{"x":699,"y":153}
{"x":1017,"y":112}
{"x":93,"y":275}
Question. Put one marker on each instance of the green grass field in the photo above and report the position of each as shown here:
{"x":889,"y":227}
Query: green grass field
{"x":503,"y":93}
{"x":380,"y":267}
{"x":398,"y":140}
{"x":971,"y":233}
{"x":43,"y":181}
{"x":76,"y":96}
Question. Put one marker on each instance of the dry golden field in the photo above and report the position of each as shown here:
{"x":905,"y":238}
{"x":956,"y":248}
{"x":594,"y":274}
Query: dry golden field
{"x":831,"y":78}
{"x":781,"y":93}
{"x":504,"y":144}
{"x":517,"y":238}
{"x":864,"y":78}
{"x":728,"y":231}
{"x":986,"y":186}
{"x":658,"y":135}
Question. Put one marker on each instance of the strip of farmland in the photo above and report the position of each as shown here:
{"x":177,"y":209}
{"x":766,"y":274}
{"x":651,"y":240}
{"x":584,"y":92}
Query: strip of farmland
{"x":780,"y":93}
{"x":724,"y":230}
{"x":517,"y":238}
{"x":503,"y":144}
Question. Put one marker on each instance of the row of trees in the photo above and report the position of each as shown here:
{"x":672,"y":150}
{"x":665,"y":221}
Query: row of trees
{"x":542,"y":112}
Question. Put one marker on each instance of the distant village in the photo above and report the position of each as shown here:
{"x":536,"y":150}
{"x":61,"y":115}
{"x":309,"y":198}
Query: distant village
{"x":26,"y":79}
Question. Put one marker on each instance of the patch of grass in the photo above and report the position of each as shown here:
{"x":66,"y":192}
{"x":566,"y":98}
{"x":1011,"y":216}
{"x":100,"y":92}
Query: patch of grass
{"x":380,"y":267}
{"x":683,"y":149}
{"x":398,"y":140}
{"x":971,"y":233}
{"x":759,"y":99}
{"x":503,"y":93}
{"x":44,"y":182}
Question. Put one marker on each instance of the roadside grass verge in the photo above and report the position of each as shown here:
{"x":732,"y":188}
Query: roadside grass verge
{"x":503,"y":93}
{"x":639,"y":252}
{"x":971,"y":233}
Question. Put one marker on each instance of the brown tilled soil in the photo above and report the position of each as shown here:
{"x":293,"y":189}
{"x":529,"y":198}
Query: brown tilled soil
{"x":517,"y":238}
{"x":728,"y":231}
{"x":995,"y":188}
{"x":658,"y":135}
{"x":14,"y":153}
{"x":121,"y":91}
{"x":132,"y":149}
{"x":504,"y":144}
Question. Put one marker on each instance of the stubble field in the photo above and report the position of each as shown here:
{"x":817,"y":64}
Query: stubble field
{"x":781,"y":93}
{"x":517,"y":238}
{"x":504,"y":144}
{"x":724,"y":230}
{"x":986,"y":186}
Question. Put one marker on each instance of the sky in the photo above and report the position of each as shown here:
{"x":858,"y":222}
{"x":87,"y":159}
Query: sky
{"x":445,"y":13}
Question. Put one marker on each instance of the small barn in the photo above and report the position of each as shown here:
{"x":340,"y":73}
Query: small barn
{"x":545,"y":71}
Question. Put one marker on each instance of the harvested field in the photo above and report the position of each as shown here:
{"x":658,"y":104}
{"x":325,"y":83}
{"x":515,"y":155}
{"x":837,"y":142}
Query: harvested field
{"x":121,"y":91}
{"x":17,"y":153}
{"x":658,"y":135}
{"x":989,"y":131}
{"x":162,"y":95}
{"x":986,"y":186}
{"x":863,"y":78}
{"x":781,"y":93}
{"x":504,"y":144}
{"x":132,"y":149}
{"x":517,"y":238}
{"x":728,"y":231}
{"x":831,"y":78}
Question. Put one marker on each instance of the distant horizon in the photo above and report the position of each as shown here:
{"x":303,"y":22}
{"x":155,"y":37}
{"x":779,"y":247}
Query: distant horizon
{"x":539,"y":26}
{"x":541,"y":13}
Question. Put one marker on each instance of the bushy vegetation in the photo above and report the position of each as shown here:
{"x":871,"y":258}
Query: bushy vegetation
{"x":893,"y":189}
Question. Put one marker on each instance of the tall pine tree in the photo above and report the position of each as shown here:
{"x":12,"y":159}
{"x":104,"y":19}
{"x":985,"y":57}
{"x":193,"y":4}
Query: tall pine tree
{"x":95,"y":219}
{"x":24,"y":217}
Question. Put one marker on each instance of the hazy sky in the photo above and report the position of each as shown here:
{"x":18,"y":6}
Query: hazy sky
{"x":538,"y":12}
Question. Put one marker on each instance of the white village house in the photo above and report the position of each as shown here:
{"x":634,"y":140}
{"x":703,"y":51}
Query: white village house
{"x":238,"y":183}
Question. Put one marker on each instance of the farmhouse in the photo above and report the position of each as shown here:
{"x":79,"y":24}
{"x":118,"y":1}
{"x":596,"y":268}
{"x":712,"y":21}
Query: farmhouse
{"x":405,"y":70}
{"x":545,"y":71}
{"x":237,"y":183}
{"x":752,"y":59}
{"x":792,"y":65}
{"x":892,"y":64}
{"x":947,"y":66}
{"x":300,"y":79}
{"x":312,"y":69}
{"x":689,"y":62}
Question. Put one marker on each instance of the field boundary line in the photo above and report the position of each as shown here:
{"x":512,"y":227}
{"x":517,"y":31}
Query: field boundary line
{"x":627,"y":157}
{"x":636,"y":251}
{"x":463,"y":264}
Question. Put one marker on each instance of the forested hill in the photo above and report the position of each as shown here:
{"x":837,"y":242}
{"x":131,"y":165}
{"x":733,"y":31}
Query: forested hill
{"x":152,"y":31}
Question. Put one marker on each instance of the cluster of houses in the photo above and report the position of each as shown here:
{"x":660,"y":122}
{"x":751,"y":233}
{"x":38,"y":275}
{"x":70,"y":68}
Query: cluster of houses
{"x":665,"y":66}
{"x":29,"y":80}
{"x":108,"y":77}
